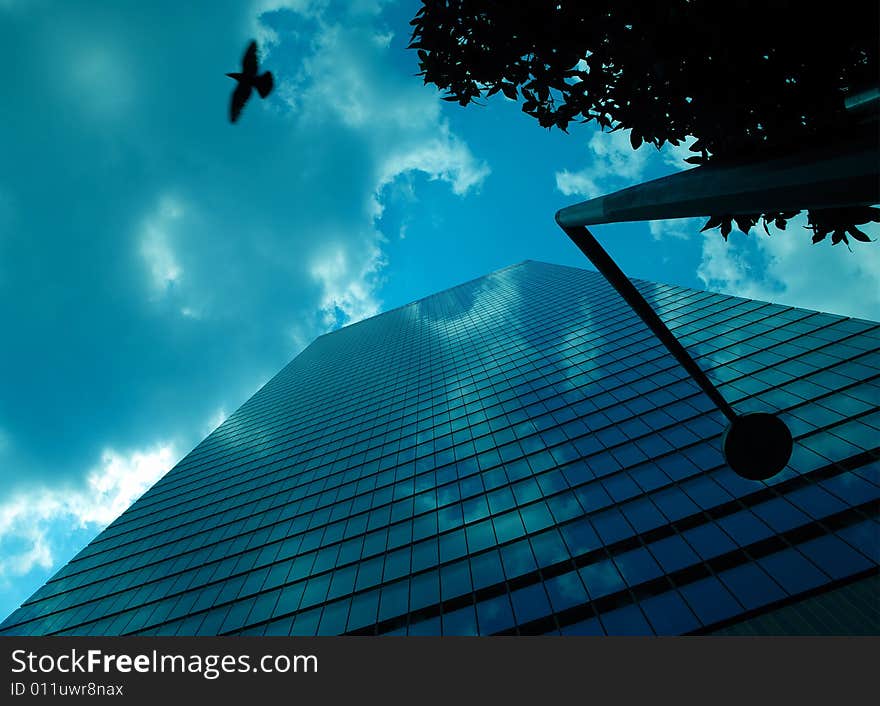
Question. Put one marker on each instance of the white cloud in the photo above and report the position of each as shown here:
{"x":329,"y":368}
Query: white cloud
{"x":383,"y":39}
{"x":155,"y":246}
{"x":614,"y":164}
{"x":347,"y":284}
{"x":32,"y":521}
{"x":117,"y":482}
{"x":443,"y":157}
{"x":348,"y":78}
{"x":787,"y":268}
{"x":343,"y":88}
{"x":215,"y":421}
{"x":613,"y":160}
{"x":299,"y":336}
{"x":577,"y":184}
{"x":265,"y":35}
{"x":681,"y":228}
{"x":347,"y":83}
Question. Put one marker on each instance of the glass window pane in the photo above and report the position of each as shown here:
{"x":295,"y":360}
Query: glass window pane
{"x":602,"y":578}
{"x":495,"y":615}
{"x":669,"y":614}
{"x":627,"y":620}
{"x":751,"y":585}
{"x":566,"y":591}
{"x":530,"y":603}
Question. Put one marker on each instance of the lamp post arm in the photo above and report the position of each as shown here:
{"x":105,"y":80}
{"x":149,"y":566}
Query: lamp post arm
{"x":589,"y":246}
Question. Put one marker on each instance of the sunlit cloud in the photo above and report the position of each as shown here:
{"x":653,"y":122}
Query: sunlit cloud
{"x":32,"y":521}
{"x":444,"y":157}
{"x":614,"y":164}
{"x":264,"y":33}
{"x":681,"y":228}
{"x":156,"y":249}
{"x":345,"y":81}
{"x":347,"y":285}
{"x":787,"y":268}
{"x":215,"y":421}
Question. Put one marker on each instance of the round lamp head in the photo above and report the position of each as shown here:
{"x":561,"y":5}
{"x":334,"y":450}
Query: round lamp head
{"x":757,"y":445}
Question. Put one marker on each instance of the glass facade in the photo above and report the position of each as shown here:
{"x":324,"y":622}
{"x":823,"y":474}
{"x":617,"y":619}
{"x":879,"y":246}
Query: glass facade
{"x":515,"y":455}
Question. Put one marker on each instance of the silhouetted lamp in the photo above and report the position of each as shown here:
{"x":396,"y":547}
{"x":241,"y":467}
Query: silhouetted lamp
{"x":756,"y":445}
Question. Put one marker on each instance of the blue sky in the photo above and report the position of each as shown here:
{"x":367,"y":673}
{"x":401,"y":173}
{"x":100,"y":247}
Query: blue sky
{"x":157,"y":264}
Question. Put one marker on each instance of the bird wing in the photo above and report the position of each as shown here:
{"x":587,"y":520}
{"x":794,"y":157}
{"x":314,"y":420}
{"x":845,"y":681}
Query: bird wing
{"x":249,"y":60}
{"x":239,"y":97}
{"x":264,"y":84}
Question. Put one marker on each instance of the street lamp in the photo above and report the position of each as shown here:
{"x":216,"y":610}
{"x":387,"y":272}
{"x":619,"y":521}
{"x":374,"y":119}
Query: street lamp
{"x":756,"y":445}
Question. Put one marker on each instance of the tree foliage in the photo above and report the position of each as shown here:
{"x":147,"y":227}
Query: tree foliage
{"x":745,"y":78}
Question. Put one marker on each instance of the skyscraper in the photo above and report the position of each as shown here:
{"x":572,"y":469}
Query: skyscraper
{"x":517,"y":454}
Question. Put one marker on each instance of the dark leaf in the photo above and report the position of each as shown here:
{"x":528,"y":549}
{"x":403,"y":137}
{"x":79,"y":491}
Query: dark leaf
{"x":745,"y":223}
{"x":509,"y":90}
{"x":858,"y":235}
{"x":666,"y":80}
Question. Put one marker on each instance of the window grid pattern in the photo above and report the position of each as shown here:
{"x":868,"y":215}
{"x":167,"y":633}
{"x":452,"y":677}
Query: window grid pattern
{"x":516,"y":455}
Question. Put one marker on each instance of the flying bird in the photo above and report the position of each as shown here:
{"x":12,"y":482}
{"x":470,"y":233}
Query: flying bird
{"x":247,"y":81}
